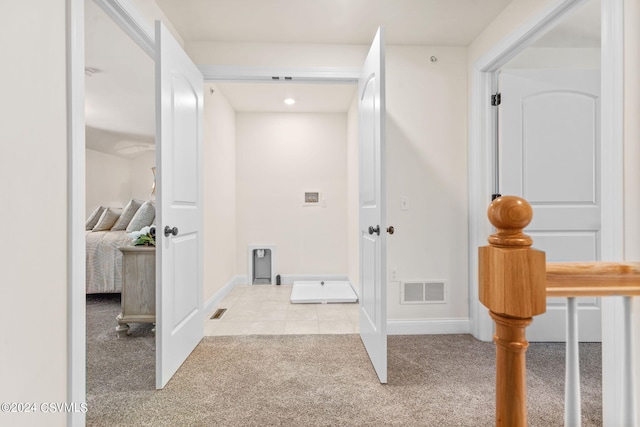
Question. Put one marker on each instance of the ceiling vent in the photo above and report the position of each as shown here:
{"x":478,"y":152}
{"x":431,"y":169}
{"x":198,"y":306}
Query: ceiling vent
{"x":419,"y":292}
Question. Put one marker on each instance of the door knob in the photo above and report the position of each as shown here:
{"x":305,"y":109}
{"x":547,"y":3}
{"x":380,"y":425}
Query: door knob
{"x":390,"y":229}
{"x":374,"y":230}
{"x":168,"y":231}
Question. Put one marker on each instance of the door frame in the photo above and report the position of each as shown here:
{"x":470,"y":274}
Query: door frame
{"x":481,"y":168}
{"x":76,"y":245}
{"x":482,"y":131}
{"x":134,"y":25}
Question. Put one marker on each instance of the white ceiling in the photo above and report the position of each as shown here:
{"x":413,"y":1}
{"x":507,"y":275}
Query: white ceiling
{"x":407,"y":22}
{"x":119,"y":96}
{"x":310,"y":98}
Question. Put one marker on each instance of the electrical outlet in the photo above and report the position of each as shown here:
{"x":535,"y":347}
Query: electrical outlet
{"x":393,"y":275}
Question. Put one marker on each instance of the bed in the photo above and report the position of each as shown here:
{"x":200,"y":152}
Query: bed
{"x":104,"y":260}
{"x":106,"y":230}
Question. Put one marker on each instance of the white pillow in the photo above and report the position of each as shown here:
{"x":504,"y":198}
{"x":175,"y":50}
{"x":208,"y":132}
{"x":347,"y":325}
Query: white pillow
{"x":107,"y":219}
{"x":144,"y":217}
{"x":93,"y":218}
{"x":127,"y":215}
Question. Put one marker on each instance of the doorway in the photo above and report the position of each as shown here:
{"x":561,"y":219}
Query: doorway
{"x":550,"y":148}
{"x":178,"y":110}
{"x":119,"y":157}
{"x":283,"y":155}
{"x":280,"y":153}
{"x":372,"y":119}
{"x":482,"y":155}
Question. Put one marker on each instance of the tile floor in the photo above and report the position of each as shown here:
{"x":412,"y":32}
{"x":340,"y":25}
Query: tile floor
{"x":266,"y":310}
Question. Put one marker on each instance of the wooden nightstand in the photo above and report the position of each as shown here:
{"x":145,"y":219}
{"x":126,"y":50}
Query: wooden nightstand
{"x":138,"y":287}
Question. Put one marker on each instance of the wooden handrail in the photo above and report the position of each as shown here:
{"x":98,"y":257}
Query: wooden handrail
{"x":592,"y":279}
{"x":514,"y":282}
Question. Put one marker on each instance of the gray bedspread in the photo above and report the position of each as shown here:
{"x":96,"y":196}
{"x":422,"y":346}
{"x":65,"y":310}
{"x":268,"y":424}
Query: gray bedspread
{"x":104,"y":261}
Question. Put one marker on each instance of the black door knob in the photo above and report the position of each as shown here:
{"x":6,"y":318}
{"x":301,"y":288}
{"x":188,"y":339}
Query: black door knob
{"x":390,"y":229}
{"x":374,"y":230}
{"x":168,"y":231}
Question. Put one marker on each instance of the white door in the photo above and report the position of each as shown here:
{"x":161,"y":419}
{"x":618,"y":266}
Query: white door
{"x":373,"y":286}
{"x":179,"y":300}
{"x":550,"y":144}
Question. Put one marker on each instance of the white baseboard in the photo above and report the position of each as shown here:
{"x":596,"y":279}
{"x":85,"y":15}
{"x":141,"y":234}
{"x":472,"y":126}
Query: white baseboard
{"x":288,"y":279}
{"x":355,"y":287}
{"x":428,"y":327}
{"x":212,"y":303}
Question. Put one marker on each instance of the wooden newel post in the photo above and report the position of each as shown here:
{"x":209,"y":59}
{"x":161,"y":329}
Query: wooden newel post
{"x":512,"y":286}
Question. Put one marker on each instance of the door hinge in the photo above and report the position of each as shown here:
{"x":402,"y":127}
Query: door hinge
{"x":496,"y":99}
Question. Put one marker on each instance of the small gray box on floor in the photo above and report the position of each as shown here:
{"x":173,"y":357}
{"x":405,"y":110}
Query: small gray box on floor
{"x":261,"y":266}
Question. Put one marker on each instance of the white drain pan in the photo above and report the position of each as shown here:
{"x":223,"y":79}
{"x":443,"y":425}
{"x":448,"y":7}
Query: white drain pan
{"x":319,"y":292}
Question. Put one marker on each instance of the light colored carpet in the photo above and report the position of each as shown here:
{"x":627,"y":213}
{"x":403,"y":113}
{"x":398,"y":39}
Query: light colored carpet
{"x":319,"y":380}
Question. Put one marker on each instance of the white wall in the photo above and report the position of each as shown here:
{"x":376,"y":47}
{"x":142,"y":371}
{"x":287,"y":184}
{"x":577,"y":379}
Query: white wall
{"x":151,"y":11}
{"x":353,"y":193}
{"x":142,"y":176}
{"x":219,"y":191}
{"x":279,"y":157}
{"x":108,"y":180}
{"x":113,"y":181}
{"x":277,"y":54}
{"x":427,"y":165}
{"x":33,"y":208}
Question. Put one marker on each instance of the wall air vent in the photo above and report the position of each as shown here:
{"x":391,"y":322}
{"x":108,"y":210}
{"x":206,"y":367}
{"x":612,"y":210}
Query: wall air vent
{"x":423,"y":292}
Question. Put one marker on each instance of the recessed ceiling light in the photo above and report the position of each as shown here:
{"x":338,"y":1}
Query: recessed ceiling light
{"x":289,"y":101}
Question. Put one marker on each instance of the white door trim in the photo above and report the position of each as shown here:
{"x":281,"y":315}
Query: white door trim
{"x":127,"y":17}
{"x":235,"y":73}
{"x":612,"y":111}
{"x":135,"y":26}
{"x":481,"y":130}
{"x":76,"y":268}
{"x":615,"y":377}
